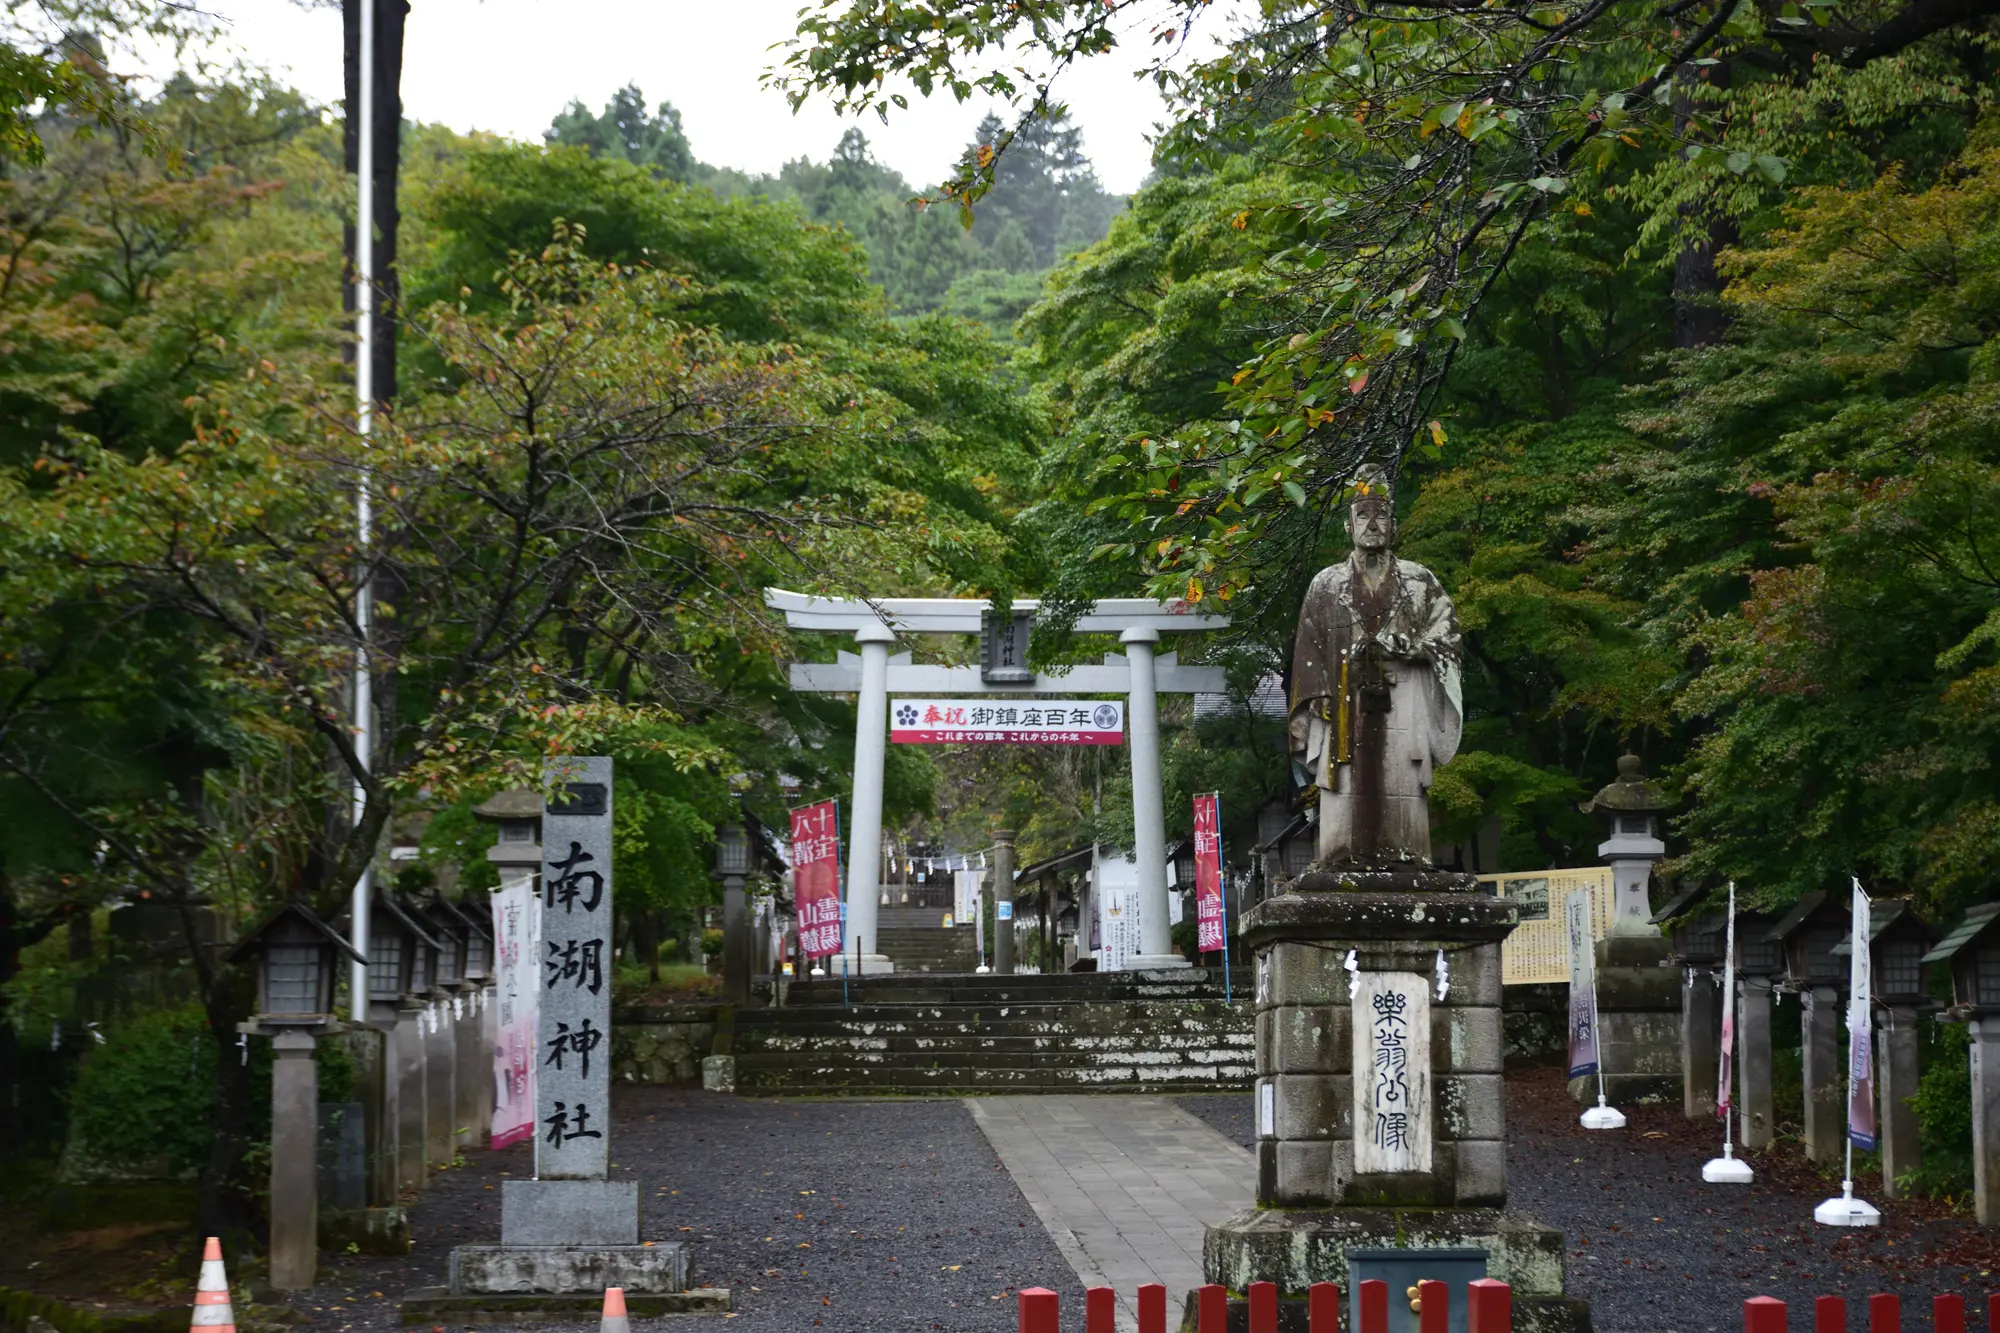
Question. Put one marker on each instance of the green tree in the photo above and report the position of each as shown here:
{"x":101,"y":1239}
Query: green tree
{"x":624,"y":130}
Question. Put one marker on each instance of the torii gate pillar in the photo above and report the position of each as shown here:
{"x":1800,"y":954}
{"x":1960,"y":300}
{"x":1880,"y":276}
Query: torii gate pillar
{"x":864,"y":837}
{"x":1149,"y":819}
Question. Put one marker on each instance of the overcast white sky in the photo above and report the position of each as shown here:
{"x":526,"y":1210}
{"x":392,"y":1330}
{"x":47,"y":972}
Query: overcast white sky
{"x":509,"y":65}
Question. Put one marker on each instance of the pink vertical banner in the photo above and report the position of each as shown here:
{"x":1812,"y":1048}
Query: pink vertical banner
{"x":816,"y":877}
{"x":1209,"y":926}
{"x":1725,"y":1064}
{"x":516,"y":990}
{"x":1860,"y":1031}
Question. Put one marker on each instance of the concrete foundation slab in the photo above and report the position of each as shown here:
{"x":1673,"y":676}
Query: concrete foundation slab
{"x":485,"y":1270}
{"x":569,"y":1212}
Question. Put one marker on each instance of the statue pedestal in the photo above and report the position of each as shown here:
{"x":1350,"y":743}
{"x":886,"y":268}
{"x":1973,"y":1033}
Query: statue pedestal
{"x":1638,"y":1022}
{"x":1380,"y":1118}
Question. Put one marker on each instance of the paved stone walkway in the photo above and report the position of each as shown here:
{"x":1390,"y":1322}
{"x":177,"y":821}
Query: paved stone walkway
{"x":1124,"y":1185}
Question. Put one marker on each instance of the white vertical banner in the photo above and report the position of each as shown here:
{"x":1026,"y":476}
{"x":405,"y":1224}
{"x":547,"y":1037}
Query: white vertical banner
{"x":1583,"y":1054}
{"x":1861,"y":1129}
{"x":516,"y":984}
{"x":1725,"y":1066}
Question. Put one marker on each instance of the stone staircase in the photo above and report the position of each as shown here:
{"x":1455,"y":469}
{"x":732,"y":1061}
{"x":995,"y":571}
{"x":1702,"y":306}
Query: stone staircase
{"x":929,"y":950}
{"x":1168,"y":1031}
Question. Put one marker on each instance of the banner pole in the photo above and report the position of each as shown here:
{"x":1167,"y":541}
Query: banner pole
{"x":1726,"y":1170}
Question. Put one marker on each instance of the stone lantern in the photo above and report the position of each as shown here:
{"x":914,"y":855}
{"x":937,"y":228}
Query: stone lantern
{"x":1695,"y":933}
{"x":1641,"y":1002}
{"x":400,"y":948}
{"x":1806,"y":935}
{"x":1898,"y":981}
{"x":296,"y":954}
{"x":732,"y":867}
{"x":1972,"y":950}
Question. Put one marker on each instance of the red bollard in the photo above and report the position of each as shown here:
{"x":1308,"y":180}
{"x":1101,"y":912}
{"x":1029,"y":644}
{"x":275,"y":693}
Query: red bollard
{"x":1038,"y":1310}
{"x":1763,"y":1314}
{"x":1993,"y":1314}
{"x":1323,"y":1308}
{"x":1263,"y":1307}
{"x":1211,"y":1309}
{"x":1885,"y":1314}
{"x":1152,"y":1308}
{"x":1435,"y":1316}
{"x":1830,"y":1314}
{"x":1948,"y":1314}
{"x":1374,"y":1306}
{"x":1489,"y":1306}
{"x":1100,"y":1310}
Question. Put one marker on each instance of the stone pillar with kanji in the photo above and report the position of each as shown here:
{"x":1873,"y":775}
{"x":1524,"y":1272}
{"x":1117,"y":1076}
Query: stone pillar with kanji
{"x":572,"y":1230}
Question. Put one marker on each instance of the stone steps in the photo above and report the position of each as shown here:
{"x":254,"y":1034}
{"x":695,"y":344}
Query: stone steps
{"x":1139,"y":1032}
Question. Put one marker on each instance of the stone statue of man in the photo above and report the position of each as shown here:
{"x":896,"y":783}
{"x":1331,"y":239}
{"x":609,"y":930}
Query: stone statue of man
{"x":1375,"y":693}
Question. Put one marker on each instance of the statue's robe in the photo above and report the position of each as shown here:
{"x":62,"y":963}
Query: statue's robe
{"x":1409,"y":622}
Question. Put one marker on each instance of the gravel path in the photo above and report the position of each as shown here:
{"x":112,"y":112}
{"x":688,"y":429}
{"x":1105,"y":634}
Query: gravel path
{"x":1653,"y":1248}
{"x":1230,"y":1114}
{"x":897,"y":1215}
{"x":838,"y":1214}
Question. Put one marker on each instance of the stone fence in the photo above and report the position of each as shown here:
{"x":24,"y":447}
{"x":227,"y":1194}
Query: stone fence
{"x":661,"y":1043}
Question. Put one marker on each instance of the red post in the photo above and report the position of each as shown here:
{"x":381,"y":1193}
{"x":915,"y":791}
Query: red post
{"x":1038,"y":1310}
{"x":1374,"y":1307}
{"x":1211,"y":1309}
{"x":1152,"y":1308}
{"x":1435,"y":1316}
{"x":1830,"y":1314}
{"x":1763,"y":1314}
{"x":1263,"y":1307}
{"x":1993,"y":1314}
{"x":1100,"y":1310}
{"x":1885,"y":1314}
{"x":1489,"y":1306}
{"x":1323,"y":1308}
{"x":1948,"y":1313}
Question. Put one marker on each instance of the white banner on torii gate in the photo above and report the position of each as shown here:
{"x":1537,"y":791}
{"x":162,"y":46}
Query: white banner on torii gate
{"x":1026,"y":722}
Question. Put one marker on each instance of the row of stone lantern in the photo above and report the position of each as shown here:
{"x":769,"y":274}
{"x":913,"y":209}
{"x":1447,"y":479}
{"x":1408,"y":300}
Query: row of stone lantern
{"x":1804,"y":951}
{"x":429,"y":963}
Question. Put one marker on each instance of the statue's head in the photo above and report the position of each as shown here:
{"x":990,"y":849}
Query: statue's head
{"x":1371,"y":514}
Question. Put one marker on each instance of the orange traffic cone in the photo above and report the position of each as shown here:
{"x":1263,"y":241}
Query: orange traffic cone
{"x":211,"y":1294}
{"x":615,"y":1320}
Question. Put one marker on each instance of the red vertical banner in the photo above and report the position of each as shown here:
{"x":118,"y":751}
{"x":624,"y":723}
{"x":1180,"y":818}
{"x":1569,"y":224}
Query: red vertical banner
{"x":1208,"y":872}
{"x":816,"y":877}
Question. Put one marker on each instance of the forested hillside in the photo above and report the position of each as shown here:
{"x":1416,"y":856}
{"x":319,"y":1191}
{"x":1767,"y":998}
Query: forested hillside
{"x":1045,"y":205}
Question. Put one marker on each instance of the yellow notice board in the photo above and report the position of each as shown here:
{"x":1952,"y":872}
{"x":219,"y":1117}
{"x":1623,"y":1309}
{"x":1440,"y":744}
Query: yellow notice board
{"x":1538,"y":950}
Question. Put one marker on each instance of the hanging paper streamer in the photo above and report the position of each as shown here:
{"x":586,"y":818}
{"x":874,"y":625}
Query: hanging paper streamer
{"x":1861,"y":1128}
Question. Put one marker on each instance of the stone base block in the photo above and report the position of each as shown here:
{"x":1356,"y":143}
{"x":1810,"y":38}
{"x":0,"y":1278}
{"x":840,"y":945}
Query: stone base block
{"x":1641,"y":1050}
{"x":1298,"y":1248}
{"x":569,"y":1212}
{"x":436,"y":1305}
{"x":1156,"y":962}
{"x":718,"y":1073}
{"x":522,"y":1270}
{"x":1532,"y":1314}
{"x":869,"y":965}
{"x":367,"y":1230}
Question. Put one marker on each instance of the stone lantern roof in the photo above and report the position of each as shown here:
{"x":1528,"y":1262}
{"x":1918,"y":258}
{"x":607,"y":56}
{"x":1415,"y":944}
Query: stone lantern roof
{"x":516,"y":803}
{"x":1632,"y":793}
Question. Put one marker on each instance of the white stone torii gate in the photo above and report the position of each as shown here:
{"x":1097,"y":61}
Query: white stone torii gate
{"x":875,"y":622}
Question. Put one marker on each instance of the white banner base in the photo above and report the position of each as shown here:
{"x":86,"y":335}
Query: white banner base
{"x":1601,"y":1116}
{"x":1727,"y":1170}
{"x":1847,"y":1211}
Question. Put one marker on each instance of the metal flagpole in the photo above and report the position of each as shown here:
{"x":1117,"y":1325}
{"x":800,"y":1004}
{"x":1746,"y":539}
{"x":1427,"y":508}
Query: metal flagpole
{"x":1726,"y":1170}
{"x":364,"y":417}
